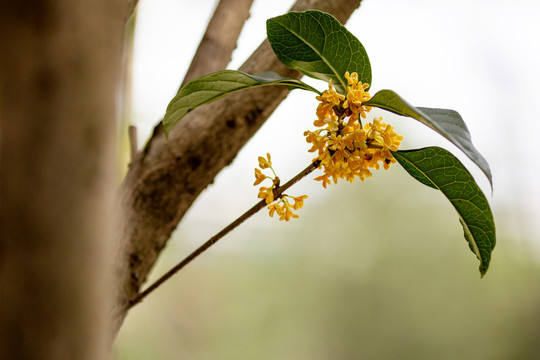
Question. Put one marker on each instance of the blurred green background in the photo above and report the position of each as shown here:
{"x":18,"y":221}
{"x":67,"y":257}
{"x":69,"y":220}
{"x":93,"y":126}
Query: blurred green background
{"x":372,"y":270}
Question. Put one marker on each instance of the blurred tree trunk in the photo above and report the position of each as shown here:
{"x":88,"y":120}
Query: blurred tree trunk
{"x":59,"y":69}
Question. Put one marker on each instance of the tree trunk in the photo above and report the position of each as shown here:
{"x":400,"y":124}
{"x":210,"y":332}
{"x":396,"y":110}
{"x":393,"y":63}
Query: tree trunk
{"x":58,"y":82}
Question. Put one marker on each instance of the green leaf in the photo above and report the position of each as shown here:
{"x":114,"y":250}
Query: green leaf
{"x":213,"y":86}
{"x":317,"y":45}
{"x":439,"y":169}
{"x":448,"y":123}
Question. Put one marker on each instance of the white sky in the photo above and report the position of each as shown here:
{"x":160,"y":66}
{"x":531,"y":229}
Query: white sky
{"x":478,"y":57}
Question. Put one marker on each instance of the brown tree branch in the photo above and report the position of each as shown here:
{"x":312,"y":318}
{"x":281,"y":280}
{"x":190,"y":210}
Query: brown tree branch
{"x":168,"y":175}
{"x":219,"y":40}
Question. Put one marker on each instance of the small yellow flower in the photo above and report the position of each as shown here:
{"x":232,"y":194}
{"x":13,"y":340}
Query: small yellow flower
{"x":259,"y":177}
{"x":299,"y":202}
{"x":352,"y":79}
{"x":287,"y":213}
{"x":331,"y":96}
{"x":325,"y":180}
{"x":282,"y":206}
{"x":267,"y":194}
{"x":326,"y":115}
{"x":265,"y":163}
{"x":275,"y":208}
{"x":356,"y":97}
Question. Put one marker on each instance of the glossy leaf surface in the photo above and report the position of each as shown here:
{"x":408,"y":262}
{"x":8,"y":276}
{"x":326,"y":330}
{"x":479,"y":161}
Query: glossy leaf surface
{"x":213,"y":86}
{"x":448,"y":123}
{"x":439,"y":169}
{"x":317,"y":45}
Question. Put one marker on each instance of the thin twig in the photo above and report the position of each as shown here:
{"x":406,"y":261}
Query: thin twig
{"x":261,"y":204}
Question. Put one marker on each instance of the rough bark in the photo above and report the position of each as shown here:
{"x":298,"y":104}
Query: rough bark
{"x":167,"y":176}
{"x":58,"y":78}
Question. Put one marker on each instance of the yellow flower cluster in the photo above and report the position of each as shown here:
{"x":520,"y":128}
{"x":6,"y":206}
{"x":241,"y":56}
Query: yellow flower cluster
{"x":346,"y":149}
{"x":286,"y":204}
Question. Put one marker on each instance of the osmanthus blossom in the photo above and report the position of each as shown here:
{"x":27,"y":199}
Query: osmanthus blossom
{"x":345,"y":149}
{"x":283,"y":206}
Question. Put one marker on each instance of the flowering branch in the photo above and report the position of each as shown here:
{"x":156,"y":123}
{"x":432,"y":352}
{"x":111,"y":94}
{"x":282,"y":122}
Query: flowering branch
{"x":278,"y":191}
{"x":346,"y":151}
